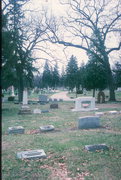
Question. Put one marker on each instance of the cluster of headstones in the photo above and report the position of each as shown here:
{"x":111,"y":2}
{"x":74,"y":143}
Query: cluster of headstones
{"x":83,"y":123}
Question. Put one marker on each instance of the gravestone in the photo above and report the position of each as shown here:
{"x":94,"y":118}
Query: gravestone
{"x":55,"y":100}
{"x":25,"y":108}
{"x":84,"y":104}
{"x":44,"y":111}
{"x":113,"y":112}
{"x":96,"y":147}
{"x":37,"y":111}
{"x":32,"y":154}
{"x":88,"y":122}
{"x":101,"y":97}
{"x":43,"y":99}
{"x":99,"y":114}
{"x":47,"y":128}
{"x":61,"y":100}
{"x":12,"y":91}
{"x":53,"y":106}
{"x":16,"y":130}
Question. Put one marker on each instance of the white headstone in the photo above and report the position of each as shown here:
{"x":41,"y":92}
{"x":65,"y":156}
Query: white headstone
{"x":12,"y":91}
{"x":25,"y":97}
{"x":31,"y":154}
{"x":84,"y":104}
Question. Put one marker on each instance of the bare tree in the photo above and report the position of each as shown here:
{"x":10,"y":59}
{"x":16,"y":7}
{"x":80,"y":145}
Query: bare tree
{"x":90,"y":21}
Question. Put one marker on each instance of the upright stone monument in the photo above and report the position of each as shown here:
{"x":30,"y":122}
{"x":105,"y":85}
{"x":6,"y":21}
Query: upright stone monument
{"x":84,"y":104}
{"x":25,"y":108}
{"x":12,"y":91}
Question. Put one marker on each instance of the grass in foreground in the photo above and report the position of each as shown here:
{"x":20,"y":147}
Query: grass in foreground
{"x":66,"y":157}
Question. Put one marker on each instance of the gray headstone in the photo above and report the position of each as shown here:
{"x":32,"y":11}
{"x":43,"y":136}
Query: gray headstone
{"x":55,"y":100}
{"x":16,"y":130}
{"x":43,"y":99}
{"x":53,"y":106}
{"x":44,"y":111}
{"x":87,"y":122}
{"x":47,"y":128}
{"x":96,"y":147}
{"x":32,"y":154}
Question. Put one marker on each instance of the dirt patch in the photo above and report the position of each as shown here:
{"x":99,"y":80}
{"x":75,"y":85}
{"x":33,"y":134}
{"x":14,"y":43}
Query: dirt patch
{"x":60,"y":172}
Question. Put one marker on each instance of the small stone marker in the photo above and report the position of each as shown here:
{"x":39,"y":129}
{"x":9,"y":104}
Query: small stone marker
{"x":113,"y":112}
{"x":32,"y":154}
{"x":88,"y":122}
{"x":53,"y":106}
{"x":55,"y":100}
{"x":16,"y":130}
{"x":96,"y":147}
{"x":99,"y":114}
{"x":37,"y":111}
{"x":43,"y":99}
{"x":47,"y":128}
{"x":61,"y":100}
{"x":44,"y":111}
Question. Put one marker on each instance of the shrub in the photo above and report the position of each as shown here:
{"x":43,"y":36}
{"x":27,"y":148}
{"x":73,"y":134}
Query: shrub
{"x":11,"y":98}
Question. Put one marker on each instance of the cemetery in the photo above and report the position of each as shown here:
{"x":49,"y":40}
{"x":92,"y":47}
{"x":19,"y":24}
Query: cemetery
{"x":91,"y":137}
{"x":61,"y":90}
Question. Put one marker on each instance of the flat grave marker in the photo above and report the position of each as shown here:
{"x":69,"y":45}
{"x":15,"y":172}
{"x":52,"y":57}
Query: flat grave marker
{"x":47,"y":128}
{"x":16,"y":130}
{"x":32,"y":154}
{"x":96,"y":147}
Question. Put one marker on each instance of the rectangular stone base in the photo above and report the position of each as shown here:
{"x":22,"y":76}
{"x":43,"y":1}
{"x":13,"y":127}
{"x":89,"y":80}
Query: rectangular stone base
{"x":25,"y":110}
{"x":16,"y":130}
{"x":32,"y":154}
{"x":96,"y":147}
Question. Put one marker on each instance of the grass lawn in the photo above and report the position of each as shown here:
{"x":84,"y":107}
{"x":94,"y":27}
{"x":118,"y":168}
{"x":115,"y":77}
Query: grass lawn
{"x":66,"y":157}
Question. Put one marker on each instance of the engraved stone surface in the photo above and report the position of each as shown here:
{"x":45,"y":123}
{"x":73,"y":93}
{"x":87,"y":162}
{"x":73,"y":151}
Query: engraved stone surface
{"x":16,"y":130}
{"x":37,"y":111}
{"x":47,"y":128}
{"x":96,"y":147}
{"x":32,"y":154}
{"x":54,"y":106}
{"x":87,"y":122}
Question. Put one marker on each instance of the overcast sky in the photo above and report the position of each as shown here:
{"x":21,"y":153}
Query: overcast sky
{"x":53,"y":7}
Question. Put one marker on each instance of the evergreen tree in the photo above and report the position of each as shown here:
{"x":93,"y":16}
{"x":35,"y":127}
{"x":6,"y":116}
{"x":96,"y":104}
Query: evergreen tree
{"x":72,"y":73}
{"x":55,"y":75}
{"x":47,"y":76}
{"x":117,"y":74}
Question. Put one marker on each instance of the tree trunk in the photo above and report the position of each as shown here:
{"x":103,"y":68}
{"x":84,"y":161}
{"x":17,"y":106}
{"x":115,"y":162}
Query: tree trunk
{"x":93,"y":92}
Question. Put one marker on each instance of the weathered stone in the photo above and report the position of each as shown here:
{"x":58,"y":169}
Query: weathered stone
{"x":32,"y":154}
{"x":37,"y":111}
{"x":16,"y":130}
{"x":101,"y":97}
{"x":43,"y":99}
{"x":44,"y":111}
{"x":85,"y":104}
{"x":99,"y":114}
{"x":96,"y":147}
{"x":25,"y":110}
{"x":61,"y":100}
{"x":47,"y":128}
{"x":113,"y":112}
{"x":54,"y":106}
{"x":88,"y":122}
{"x":55,"y":100}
